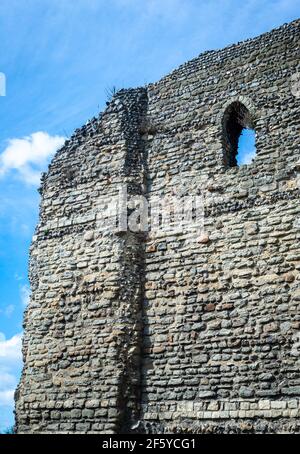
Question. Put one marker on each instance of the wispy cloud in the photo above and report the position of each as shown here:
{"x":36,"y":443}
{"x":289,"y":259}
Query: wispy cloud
{"x":10,"y":364}
{"x":25,"y":294}
{"x":170,"y":10}
{"x":8,"y":310}
{"x":10,"y":349}
{"x":6,"y":397}
{"x":29,"y":155}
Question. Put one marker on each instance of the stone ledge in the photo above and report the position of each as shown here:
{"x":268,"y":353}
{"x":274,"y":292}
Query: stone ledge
{"x":224,"y":410}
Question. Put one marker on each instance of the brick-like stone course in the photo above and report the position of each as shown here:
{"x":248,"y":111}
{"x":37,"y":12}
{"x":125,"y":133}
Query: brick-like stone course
{"x":155,"y":331}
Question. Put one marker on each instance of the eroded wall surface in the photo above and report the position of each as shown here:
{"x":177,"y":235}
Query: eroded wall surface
{"x":172,"y":329}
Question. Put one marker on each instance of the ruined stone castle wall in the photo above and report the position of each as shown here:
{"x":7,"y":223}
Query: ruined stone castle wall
{"x":191,"y":329}
{"x":81,"y":323}
{"x":221,"y":317}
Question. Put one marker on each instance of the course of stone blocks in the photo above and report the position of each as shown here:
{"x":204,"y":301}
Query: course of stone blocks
{"x":173,"y":330}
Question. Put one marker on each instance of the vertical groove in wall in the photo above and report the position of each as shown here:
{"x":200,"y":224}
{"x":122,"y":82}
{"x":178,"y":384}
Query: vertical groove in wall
{"x":132,"y":264}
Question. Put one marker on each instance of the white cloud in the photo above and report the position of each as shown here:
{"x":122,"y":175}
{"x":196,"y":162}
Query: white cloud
{"x":10,"y":366}
{"x":10,"y":349}
{"x":7,"y":380}
{"x":6,"y":397}
{"x":29,"y":155}
{"x":25,"y":294}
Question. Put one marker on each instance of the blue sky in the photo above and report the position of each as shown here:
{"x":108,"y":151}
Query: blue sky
{"x":59,"y":58}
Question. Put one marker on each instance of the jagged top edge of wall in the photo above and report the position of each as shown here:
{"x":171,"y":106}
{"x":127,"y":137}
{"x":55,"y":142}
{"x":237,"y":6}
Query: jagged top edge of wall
{"x":193,"y":65}
{"x":222,"y":54}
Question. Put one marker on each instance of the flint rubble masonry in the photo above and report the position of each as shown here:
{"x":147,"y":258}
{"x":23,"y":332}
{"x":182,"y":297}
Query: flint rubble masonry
{"x":154,"y":332}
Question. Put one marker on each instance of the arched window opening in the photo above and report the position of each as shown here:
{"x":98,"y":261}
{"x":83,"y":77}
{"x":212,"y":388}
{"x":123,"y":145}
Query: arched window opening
{"x":239,"y":135}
